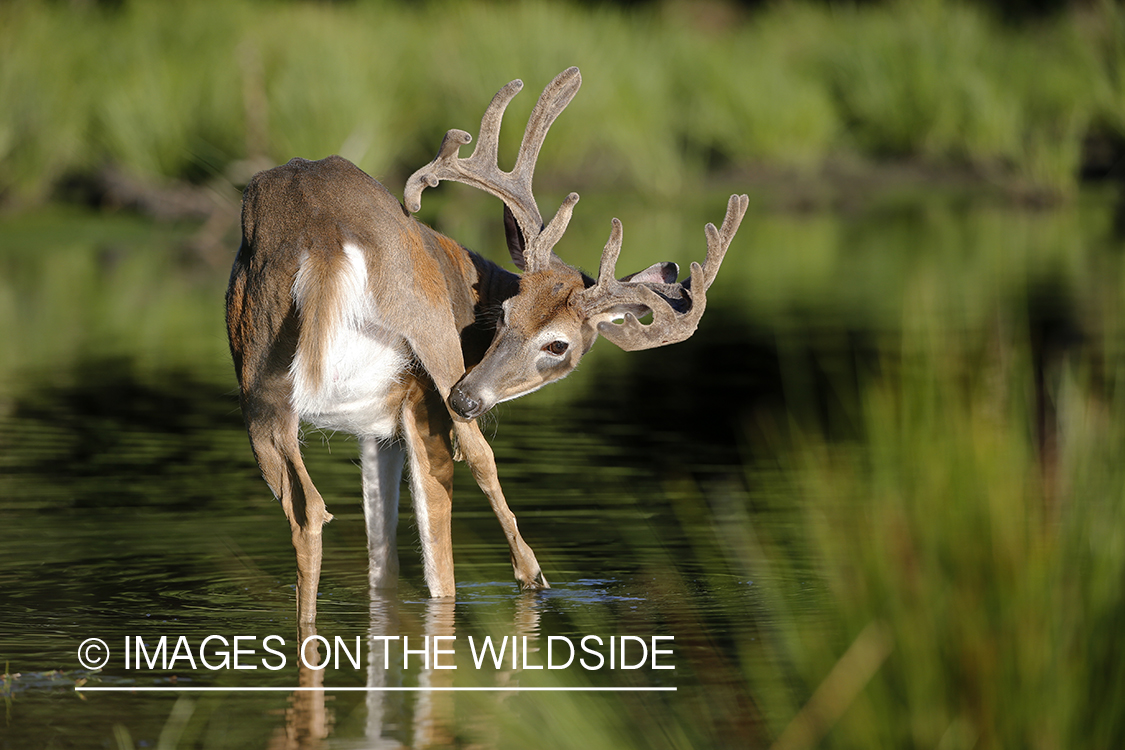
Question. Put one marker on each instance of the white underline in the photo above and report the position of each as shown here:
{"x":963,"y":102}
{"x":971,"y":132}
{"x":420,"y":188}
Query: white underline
{"x":197,"y":689}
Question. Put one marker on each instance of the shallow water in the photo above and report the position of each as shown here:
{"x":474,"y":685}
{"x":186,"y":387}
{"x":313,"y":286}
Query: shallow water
{"x":122,"y":524}
{"x":131,"y":507}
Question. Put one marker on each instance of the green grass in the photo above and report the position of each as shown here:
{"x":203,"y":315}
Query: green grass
{"x":190,"y":90}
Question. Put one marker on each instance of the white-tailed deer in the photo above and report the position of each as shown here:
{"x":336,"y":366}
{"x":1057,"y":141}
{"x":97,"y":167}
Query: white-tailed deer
{"x":348,"y":314}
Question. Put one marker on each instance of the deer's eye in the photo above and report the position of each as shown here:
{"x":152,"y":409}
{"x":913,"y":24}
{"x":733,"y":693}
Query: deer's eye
{"x":558,"y":348}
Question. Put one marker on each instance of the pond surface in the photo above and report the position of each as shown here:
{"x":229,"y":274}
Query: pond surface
{"x":131,"y":507}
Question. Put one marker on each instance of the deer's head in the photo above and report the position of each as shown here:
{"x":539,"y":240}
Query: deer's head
{"x":554,"y":319}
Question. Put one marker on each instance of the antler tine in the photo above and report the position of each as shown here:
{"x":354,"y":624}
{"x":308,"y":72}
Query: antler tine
{"x":482,"y":171}
{"x":488,"y":145}
{"x":552,"y":102}
{"x":718,"y":240}
{"x":676,"y":307}
{"x":537,"y":257}
{"x":607,"y":269}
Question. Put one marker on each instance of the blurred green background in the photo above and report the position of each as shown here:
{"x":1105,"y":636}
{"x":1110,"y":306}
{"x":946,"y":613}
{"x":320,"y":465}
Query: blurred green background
{"x":1008,"y":93}
{"x":903,"y":417}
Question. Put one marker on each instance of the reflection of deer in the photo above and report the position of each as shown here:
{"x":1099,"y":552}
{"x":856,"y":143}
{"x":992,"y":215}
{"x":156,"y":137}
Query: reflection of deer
{"x":345,"y":312}
{"x":429,"y":718}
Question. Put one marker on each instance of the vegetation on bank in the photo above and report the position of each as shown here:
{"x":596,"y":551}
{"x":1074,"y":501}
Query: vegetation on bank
{"x":968,"y":584}
{"x":213,"y":89}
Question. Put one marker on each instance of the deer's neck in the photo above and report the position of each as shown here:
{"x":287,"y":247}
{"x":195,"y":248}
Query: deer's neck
{"x":477,"y":289}
{"x":494,"y":284}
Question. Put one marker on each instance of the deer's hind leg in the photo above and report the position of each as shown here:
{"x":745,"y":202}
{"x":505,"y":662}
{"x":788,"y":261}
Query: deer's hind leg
{"x":273,"y":429}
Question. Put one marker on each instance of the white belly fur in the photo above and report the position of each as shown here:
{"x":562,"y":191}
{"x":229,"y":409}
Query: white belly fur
{"x":362,"y":365}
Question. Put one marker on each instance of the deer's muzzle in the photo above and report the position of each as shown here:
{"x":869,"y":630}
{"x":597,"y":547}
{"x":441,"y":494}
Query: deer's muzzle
{"x":464,"y":404}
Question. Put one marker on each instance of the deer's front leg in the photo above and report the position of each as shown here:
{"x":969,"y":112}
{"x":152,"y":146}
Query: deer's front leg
{"x":382,"y":463}
{"x":442,"y":359}
{"x":478,"y":454}
{"x":426,"y":427}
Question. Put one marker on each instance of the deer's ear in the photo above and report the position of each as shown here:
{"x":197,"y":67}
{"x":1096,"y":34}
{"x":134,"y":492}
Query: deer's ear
{"x":515,"y":239}
{"x":658,"y":273}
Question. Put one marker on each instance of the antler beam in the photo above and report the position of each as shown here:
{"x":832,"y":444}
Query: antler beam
{"x":481,"y":169}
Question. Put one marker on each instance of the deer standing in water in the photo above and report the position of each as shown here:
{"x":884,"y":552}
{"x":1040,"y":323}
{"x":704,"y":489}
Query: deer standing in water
{"x":346,"y":313}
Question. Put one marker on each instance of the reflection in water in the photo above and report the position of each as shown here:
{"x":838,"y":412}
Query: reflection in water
{"x":307,"y":720}
{"x":433,"y":712}
{"x":385,"y":621}
{"x":431,"y":717}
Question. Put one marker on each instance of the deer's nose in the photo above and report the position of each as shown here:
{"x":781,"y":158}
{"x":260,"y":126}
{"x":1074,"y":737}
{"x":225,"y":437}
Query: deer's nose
{"x":463,"y":404}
